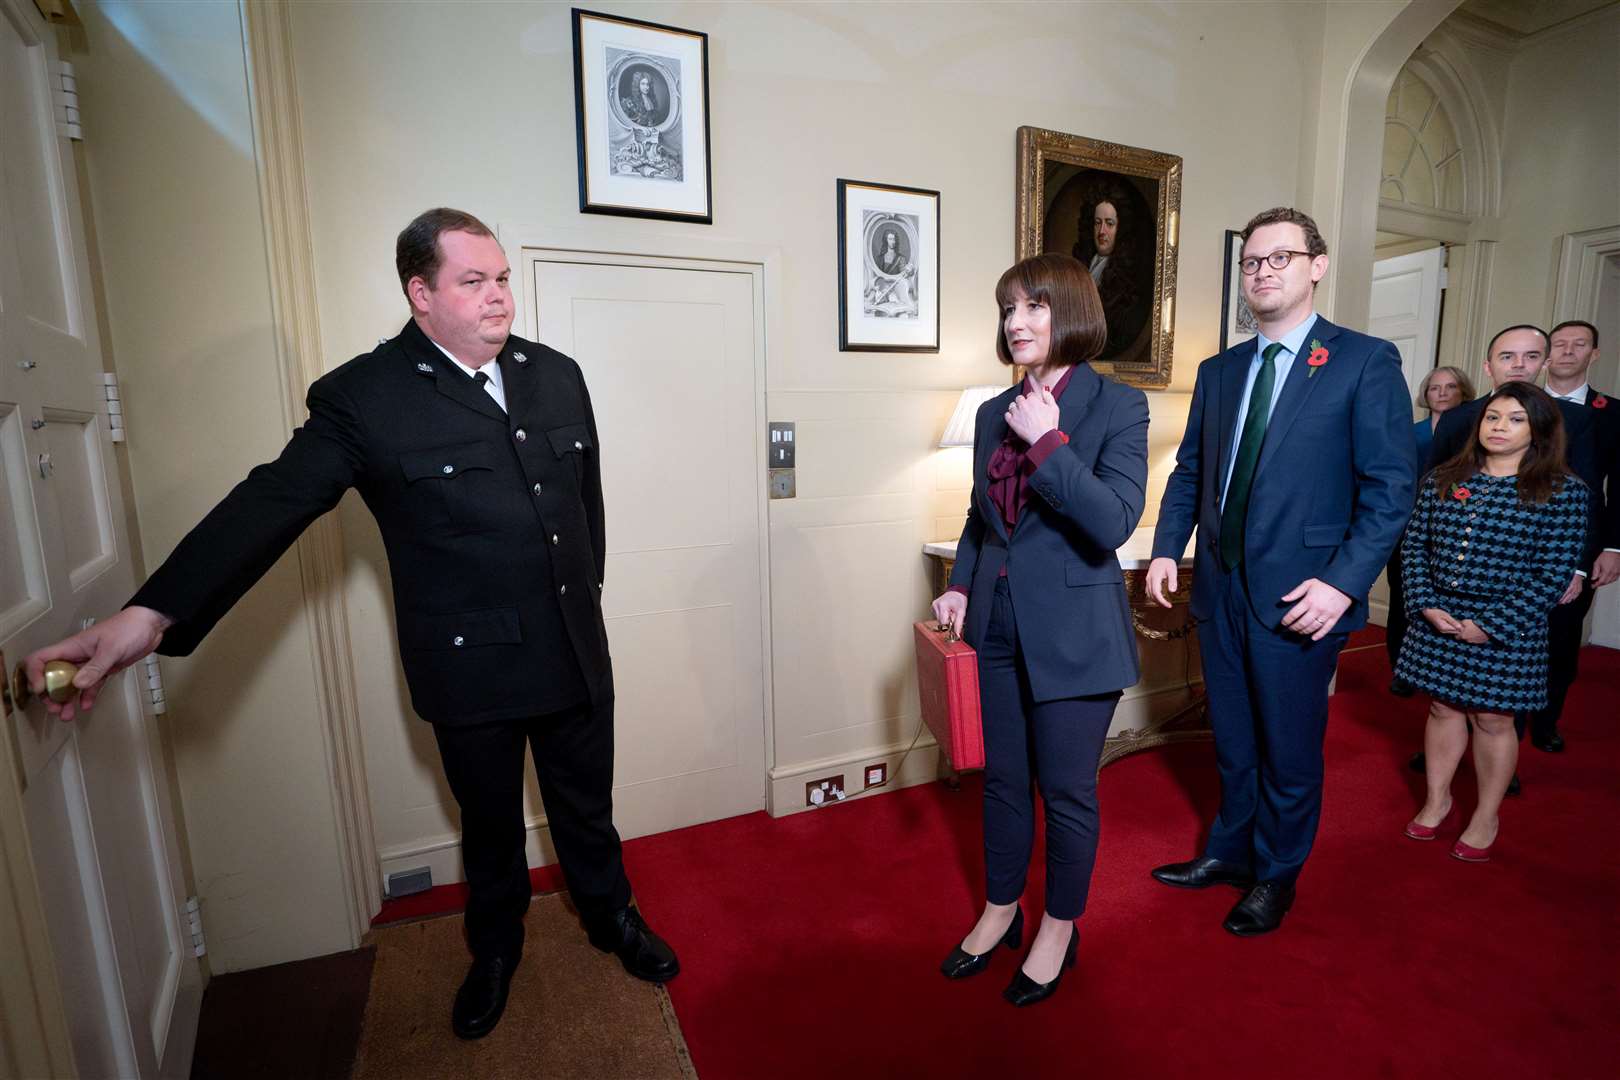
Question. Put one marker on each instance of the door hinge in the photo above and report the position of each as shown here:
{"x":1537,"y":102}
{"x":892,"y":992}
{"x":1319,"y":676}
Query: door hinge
{"x":65,"y":100}
{"x":154,"y":686}
{"x":115,"y":407}
{"x":1445,"y":278}
{"x":193,"y":921}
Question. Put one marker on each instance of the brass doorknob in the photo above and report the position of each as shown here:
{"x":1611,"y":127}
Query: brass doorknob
{"x":58,"y":683}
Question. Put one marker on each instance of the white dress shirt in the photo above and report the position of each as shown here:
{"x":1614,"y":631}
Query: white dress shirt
{"x":1291,"y":343}
{"x":1577,"y":395}
{"x":492,"y":369}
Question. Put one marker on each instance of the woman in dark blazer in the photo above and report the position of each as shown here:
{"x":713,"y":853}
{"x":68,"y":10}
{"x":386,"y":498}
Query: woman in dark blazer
{"x":1059,"y":471}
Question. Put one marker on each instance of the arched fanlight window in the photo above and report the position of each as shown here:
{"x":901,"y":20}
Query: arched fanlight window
{"x":1423,"y":159}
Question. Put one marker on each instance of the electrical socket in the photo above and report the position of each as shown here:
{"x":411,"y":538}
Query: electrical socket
{"x":821,"y":792}
{"x":877,"y":773}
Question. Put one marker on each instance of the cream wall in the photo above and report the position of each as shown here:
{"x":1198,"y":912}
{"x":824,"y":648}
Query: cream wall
{"x":1560,"y":158}
{"x":175,"y":197}
{"x":410,"y":105}
{"x":937,"y":108}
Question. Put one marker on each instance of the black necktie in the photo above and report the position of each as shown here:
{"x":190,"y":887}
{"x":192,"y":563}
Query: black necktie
{"x":1236,"y":509}
{"x":480,"y":378}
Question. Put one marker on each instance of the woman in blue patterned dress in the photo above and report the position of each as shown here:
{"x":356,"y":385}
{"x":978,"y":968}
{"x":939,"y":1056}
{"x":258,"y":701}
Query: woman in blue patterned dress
{"x":1495,"y":538}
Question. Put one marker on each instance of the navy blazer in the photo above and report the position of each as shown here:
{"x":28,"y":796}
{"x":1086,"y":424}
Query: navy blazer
{"x":1332,"y":490}
{"x":1074,"y":623}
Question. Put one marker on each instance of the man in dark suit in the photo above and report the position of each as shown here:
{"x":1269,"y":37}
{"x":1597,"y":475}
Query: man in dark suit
{"x":1297,"y":470}
{"x":476,"y":452}
{"x":1592,"y":452}
{"x":1573,"y":348}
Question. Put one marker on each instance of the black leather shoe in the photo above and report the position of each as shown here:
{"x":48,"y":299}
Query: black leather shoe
{"x":1261,"y":910}
{"x":1203,"y":872}
{"x":1418,"y":763}
{"x":1024,"y":990}
{"x":961,"y":963}
{"x":1514,"y":787}
{"x":1552,"y":743}
{"x":482,"y":997}
{"x":1401,"y":688}
{"x":643,"y":953}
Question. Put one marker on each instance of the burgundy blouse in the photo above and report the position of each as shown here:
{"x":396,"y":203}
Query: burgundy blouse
{"x":1015,"y":461}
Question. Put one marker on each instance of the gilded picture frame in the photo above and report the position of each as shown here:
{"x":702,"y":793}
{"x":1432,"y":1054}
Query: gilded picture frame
{"x":1118,"y":209}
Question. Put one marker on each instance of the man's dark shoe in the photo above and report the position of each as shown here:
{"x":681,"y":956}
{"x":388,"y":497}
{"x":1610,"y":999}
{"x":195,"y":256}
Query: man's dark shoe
{"x":1202,"y":872}
{"x":1262,"y":909}
{"x":482,"y":997}
{"x":1514,"y":787}
{"x":643,"y":953}
{"x":1418,"y":763}
{"x":1401,"y":688}
{"x":1548,"y":742}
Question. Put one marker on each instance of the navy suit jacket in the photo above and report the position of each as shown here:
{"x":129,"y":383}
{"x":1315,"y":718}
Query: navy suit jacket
{"x":1332,"y":490}
{"x":1074,"y":623}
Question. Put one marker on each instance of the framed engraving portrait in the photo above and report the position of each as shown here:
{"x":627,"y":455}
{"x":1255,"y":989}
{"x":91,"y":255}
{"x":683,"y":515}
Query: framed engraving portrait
{"x":641,"y":118}
{"x":1237,"y":321}
{"x":1118,"y":210}
{"x":888,"y":268}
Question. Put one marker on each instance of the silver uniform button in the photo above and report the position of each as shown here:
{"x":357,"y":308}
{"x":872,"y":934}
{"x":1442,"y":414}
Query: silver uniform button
{"x":562,"y":590}
{"x":578,"y":445}
{"x":538,"y":489}
{"x":554,"y":539}
{"x":448,"y":469}
{"x":520,"y":435}
{"x":459,"y":641}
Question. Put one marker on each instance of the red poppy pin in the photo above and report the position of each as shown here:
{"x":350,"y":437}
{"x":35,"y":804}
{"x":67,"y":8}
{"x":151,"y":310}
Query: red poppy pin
{"x":1459,"y":492}
{"x":1318,"y":357}
{"x":1600,"y":402}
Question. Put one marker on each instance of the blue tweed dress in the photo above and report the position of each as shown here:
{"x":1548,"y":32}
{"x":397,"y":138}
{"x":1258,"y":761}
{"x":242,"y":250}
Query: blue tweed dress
{"x":1477,"y":552}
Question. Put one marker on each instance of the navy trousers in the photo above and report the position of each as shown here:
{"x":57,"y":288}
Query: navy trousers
{"x":1056,"y":744}
{"x":1268,"y":704}
{"x":573,"y":759}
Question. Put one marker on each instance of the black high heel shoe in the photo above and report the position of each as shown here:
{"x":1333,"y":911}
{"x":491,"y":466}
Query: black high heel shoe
{"x":961,"y":963}
{"x":1024,"y":990}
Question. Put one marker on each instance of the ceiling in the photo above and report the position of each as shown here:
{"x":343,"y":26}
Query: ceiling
{"x":1528,"y":16}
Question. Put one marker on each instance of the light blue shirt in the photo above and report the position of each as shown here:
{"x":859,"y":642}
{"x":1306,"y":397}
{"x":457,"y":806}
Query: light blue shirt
{"x":1291,"y":343}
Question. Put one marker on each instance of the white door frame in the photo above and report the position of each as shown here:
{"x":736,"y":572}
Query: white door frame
{"x":763,"y":264}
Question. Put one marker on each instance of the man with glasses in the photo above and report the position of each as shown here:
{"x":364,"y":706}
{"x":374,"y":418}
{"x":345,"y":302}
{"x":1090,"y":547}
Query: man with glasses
{"x":1297,"y":470}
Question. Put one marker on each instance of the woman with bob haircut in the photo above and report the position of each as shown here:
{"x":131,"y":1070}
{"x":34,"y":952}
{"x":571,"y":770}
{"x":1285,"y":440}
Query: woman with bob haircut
{"x":1059,"y":472}
{"x":1495,"y":538}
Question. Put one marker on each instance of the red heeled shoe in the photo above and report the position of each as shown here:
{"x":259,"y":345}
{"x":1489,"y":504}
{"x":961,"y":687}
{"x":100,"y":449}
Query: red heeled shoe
{"x":1416,"y":831}
{"x":1470,"y":853}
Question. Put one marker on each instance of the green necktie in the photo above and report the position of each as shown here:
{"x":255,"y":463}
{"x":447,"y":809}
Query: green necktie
{"x":1248,"y":455}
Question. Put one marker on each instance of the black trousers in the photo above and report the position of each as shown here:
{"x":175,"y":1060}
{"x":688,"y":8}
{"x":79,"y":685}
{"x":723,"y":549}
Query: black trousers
{"x":1564,"y":624}
{"x":1054,"y":743}
{"x":573,"y":757}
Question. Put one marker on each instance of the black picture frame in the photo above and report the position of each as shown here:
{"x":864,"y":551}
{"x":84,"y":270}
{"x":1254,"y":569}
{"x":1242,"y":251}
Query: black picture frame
{"x":892,"y":304}
{"x":1237,"y":321}
{"x":638,"y":159}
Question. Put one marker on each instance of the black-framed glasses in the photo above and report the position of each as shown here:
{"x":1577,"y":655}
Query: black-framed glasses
{"x":1277,"y":260}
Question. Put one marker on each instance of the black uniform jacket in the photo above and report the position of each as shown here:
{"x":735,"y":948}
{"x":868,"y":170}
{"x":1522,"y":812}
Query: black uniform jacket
{"x":492,"y":522}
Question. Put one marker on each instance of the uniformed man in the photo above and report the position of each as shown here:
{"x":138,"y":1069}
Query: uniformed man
{"x":476,"y":452}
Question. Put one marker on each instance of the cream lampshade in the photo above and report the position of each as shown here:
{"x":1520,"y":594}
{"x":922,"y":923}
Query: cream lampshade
{"x":959,"y":432}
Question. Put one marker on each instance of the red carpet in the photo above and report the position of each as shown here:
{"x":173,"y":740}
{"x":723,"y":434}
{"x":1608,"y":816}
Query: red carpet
{"x":809,"y":945}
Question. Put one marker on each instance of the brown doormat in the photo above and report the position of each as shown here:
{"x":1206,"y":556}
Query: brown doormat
{"x":573,"y":1012}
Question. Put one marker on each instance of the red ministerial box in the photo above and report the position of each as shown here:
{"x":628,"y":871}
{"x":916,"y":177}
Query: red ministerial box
{"x":948,"y":688}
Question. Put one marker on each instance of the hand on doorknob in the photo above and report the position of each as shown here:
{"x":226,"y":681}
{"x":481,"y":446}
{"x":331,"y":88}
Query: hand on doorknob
{"x":101,"y":651}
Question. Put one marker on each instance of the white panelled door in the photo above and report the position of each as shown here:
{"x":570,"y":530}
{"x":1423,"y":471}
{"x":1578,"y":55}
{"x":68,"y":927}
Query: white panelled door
{"x":1406,"y":309}
{"x":673,"y":359}
{"x":671,"y":356}
{"x":94,"y":792}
